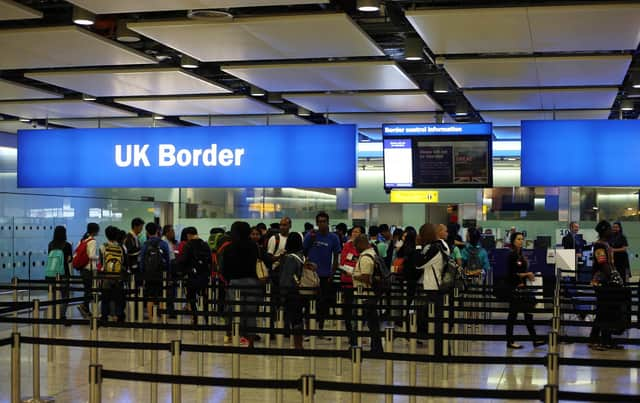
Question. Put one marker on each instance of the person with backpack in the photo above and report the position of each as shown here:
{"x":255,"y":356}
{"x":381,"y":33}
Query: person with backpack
{"x":239,"y":269}
{"x":196,"y":260}
{"x":348,"y":260}
{"x":363,"y":275}
{"x":291,"y":266}
{"x":112,"y":260}
{"x":85,"y":260}
{"x":154,"y":261}
{"x":475,"y":260}
{"x":58,"y":261}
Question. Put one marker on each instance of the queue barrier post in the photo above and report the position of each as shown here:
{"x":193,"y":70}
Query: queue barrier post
{"x":209,"y":310}
{"x":388,"y":369}
{"x":431,"y":313}
{"x":94,"y":294}
{"x":163,"y":304}
{"x":14,"y":284}
{"x":235,"y":357}
{"x":153,"y":395}
{"x":51,"y":351}
{"x":340,"y":310}
{"x":200,"y":334}
{"x":279,"y":358}
{"x":176,"y":352}
{"x":550,"y":393}
{"x":313,"y":325}
{"x":356,"y":371}
{"x":140,"y":320}
{"x":35,"y":348}
{"x":553,"y":342}
{"x":456,"y":316}
{"x":15,"y":367}
{"x":413,"y":342}
{"x":57,"y":296}
{"x":179,"y":298}
{"x":93,"y":356}
{"x":267,"y":310}
{"x":95,"y":383}
{"x":357,"y":299}
{"x":132,"y":305}
{"x":308,"y":388}
{"x":553,"y":369}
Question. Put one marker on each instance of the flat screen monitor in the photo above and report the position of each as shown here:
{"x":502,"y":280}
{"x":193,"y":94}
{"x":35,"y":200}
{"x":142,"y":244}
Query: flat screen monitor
{"x":513,"y":199}
{"x":542,"y":242}
{"x":423,"y":157}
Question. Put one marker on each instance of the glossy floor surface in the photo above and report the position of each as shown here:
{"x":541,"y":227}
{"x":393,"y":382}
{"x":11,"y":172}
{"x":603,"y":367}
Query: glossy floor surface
{"x":66,"y":377}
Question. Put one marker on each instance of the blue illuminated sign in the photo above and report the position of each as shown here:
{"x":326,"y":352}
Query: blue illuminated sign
{"x":234,"y":156}
{"x":430,"y":129}
{"x":580,"y":153}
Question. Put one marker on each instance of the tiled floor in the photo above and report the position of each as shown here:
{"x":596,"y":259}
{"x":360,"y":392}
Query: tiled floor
{"x":66,"y":377}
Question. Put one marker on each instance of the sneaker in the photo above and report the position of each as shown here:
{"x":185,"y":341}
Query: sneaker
{"x":514,"y":346}
{"x":84,"y":312}
{"x":244,"y":342}
{"x":539,"y":343}
{"x":324,"y":338}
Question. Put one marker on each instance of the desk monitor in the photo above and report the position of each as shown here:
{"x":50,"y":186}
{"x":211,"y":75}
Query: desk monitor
{"x":542,"y":242}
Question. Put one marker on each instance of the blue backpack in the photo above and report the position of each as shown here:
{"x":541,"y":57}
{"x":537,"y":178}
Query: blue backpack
{"x":55,"y":263}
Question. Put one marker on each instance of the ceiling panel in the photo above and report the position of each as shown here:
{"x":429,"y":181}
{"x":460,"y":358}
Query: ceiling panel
{"x":246,"y":120}
{"x":513,"y":118}
{"x":263,"y":38}
{"x":506,"y":132}
{"x":376,"y":120}
{"x":130,"y":82}
{"x":585,"y":27}
{"x":538,"y":71}
{"x":111,"y":123}
{"x":525,"y":99}
{"x":399,"y":101}
{"x":16,"y":91}
{"x":62,"y":108}
{"x":10,"y":10}
{"x":128,"y":6}
{"x":477,"y":30}
{"x":67,"y":46}
{"x":220,"y":105}
{"x":337,"y":76}
{"x":12,"y":126}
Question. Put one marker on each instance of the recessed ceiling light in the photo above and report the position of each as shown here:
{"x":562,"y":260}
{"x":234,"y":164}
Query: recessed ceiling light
{"x":256,"y":92}
{"x":303,"y":111}
{"x":124,"y":34}
{"x":87,"y":97}
{"x":412,"y":48}
{"x":83,"y":17}
{"x":626,"y":105}
{"x":368,"y":6}
{"x":25,"y":120}
{"x":188,"y":62}
{"x":440,"y":85}
{"x":630,"y":208}
{"x":158,"y":117}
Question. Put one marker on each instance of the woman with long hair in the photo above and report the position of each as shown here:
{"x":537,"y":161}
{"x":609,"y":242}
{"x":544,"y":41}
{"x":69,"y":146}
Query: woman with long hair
{"x":619,"y":247}
{"x":59,"y":260}
{"x":520,"y":300}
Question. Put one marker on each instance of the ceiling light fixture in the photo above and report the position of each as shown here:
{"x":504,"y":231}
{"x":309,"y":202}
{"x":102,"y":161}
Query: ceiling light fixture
{"x":83,"y":17}
{"x":188,"y":62}
{"x":440,"y":85}
{"x":158,"y":117}
{"x":25,"y":120}
{"x":412,"y":48}
{"x":87,"y":97}
{"x":368,"y":6}
{"x":461,"y":109}
{"x":303,"y":111}
{"x":256,"y":92}
{"x":626,"y":105}
{"x":124,"y":34}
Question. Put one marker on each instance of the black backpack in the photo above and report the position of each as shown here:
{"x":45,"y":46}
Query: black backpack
{"x":199,"y":258}
{"x":153,"y":260}
{"x":473,"y":267}
{"x":381,"y":278}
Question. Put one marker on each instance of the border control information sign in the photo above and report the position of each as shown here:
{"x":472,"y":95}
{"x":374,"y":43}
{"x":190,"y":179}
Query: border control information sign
{"x":229,"y":156}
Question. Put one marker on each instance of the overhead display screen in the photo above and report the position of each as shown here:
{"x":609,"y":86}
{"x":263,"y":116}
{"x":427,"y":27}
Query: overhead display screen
{"x":230,"y":156}
{"x":413,"y":158}
{"x":580,"y":153}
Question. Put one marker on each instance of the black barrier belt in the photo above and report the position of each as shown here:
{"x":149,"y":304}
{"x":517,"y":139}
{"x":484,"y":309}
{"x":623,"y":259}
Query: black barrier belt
{"x":100,"y":344}
{"x":587,"y":339}
{"x":61,"y":301}
{"x":429,"y":391}
{"x":589,"y":362}
{"x":201,"y":380}
{"x":593,"y":397}
{"x":6,"y":342}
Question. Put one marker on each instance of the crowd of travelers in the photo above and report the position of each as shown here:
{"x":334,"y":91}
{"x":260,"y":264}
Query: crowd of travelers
{"x":315,"y":264}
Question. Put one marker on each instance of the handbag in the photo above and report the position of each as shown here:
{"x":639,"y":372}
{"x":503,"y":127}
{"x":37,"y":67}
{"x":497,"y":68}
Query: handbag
{"x":524,"y":299}
{"x":308,"y":277}
{"x":261,"y":270}
{"x":398,"y":265}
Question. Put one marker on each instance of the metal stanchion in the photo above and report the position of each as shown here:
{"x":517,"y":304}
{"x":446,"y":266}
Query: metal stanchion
{"x":15,"y":368}
{"x":553,"y":342}
{"x":132,"y":305}
{"x":163,"y":304}
{"x":140,"y":320}
{"x":267,"y":309}
{"x":313,"y":325}
{"x":356,"y":371}
{"x":358,"y":301}
{"x":35,"y":348}
{"x":235,"y":357}
{"x":413,"y":328}
{"x":553,"y":374}
{"x":280,"y":358}
{"x":308,"y":388}
{"x":153,"y":393}
{"x":200,"y":336}
{"x":456,"y":316}
{"x":94,"y":338}
{"x":57,"y":296}
{"x":96,"y":296}
{"x":431,"y":313}
{"x":208,"y":311}
{"x":388,"y":369}
{"x":550,"y":394}
{"x":179,"y":295}
{"x":95,"y":383}
{"x":51,"y":351}
{"x":340,"y":310}
{"x":14,"y":284}
{"x":176,"y":351}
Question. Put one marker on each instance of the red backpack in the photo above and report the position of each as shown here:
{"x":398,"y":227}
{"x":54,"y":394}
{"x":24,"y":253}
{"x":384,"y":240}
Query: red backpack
{"x":81,"y":258}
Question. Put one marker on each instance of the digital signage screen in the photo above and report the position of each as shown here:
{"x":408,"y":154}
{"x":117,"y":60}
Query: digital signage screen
{"x":421,"y":156}
{"x":580,"y":153}
{"x":229,"y":156}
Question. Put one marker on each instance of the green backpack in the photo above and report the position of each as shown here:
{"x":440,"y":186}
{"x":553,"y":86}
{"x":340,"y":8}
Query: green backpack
{"x":55,"y":263}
